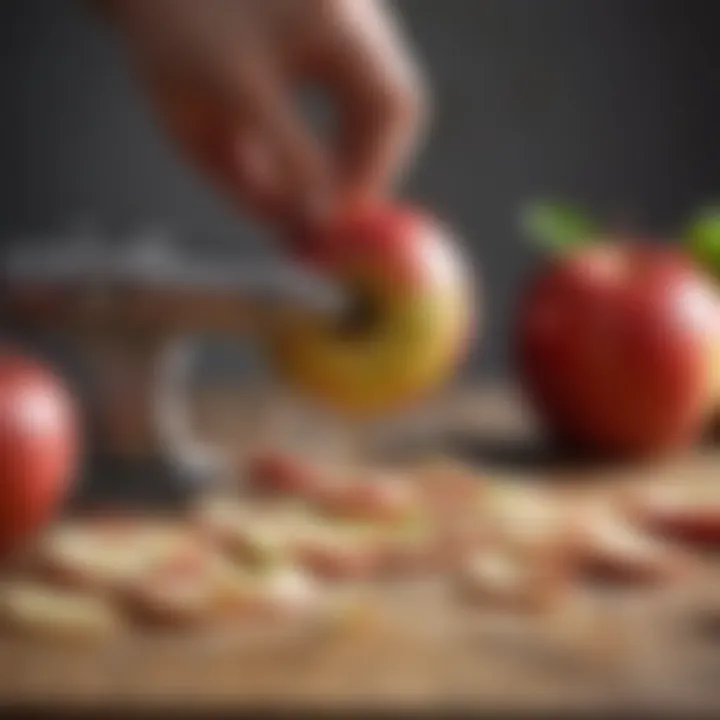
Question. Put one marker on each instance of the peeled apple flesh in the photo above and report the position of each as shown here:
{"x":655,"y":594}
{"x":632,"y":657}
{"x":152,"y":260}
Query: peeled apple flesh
{"x":415,"y":316}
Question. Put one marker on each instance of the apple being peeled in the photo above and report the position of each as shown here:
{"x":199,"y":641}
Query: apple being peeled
{"x":618,"y":348}
{"x":39,"y":443}
{"x":410,"y":322}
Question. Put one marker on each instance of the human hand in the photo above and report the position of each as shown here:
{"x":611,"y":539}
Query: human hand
{"x":222,"y":77}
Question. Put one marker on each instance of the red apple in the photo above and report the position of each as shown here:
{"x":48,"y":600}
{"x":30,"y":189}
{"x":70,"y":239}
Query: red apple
{"x":702,"y":240}
{"x":38,"y":447}
{"x":618,"y":348}
{"x":412,"y":320}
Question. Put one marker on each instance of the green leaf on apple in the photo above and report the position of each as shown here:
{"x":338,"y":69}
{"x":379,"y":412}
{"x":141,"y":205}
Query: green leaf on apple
{"x":557,"y":226}
{"x":703,"y":239}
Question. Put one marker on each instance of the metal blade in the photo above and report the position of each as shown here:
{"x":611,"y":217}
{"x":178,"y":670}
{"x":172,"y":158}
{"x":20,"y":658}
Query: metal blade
{"x":158,"y":267}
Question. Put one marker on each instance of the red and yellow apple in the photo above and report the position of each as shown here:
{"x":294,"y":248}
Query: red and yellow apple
{"x":412,"y":321}
{"x":618,"y":347}
{"x":39,"y":443}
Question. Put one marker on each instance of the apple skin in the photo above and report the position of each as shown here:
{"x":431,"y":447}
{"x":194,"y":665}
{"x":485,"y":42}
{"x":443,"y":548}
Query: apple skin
{"x":618,"y":345}
{"x":410,"y":272}
{"x":39,"y":447}
{"x":688,"y":512}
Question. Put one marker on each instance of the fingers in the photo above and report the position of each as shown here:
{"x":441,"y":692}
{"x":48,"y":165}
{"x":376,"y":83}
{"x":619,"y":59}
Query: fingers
{"x":384,"y":107}
{"x":247,"y":138}
{"x":233,"y":114}
{"x":275,"y":152}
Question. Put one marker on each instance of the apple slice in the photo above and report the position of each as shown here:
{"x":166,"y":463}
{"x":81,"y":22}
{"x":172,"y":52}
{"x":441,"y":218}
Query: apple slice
{"x":684,"y":510}
{"x":521,"y":559}
{"x":290,"y":591}
{"x":370,"y":494}
{"x":338,"y":490}
{"x":448,"y":487}
{"x":218,"y":590}
{"x":512,"y":513}
{"x":408,"y":550}
{"x":252,"y":593}
{"x":451,"y":498}
{"x":339,"y":551}
{"x":31,"y":608}
{"x":608,"y":546}
{"x":258,"y":535}
{"x":277,"y":592}
{"x":110,"y":554}
{"x":287,"y":534}
{"x":514,"y":577}
{"x":177,"y":592}
{"x":526,"y":514}
{"x":76,"y":554}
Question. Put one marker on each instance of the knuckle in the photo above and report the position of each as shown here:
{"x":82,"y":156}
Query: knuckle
{"x":407,"y":103}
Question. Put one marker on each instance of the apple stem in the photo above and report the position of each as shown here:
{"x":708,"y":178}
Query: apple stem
{"x":702,"y":237}
{"x":555,"y":227}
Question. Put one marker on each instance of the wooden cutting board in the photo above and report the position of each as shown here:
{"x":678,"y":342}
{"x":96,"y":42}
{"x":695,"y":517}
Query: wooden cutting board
{"x":417,"y":650}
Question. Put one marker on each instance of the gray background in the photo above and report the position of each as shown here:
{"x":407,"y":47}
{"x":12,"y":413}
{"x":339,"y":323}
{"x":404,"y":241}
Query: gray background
{"x":611,"y":102}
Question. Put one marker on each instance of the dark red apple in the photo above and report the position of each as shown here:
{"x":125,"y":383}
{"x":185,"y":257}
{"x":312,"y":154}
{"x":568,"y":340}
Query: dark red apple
{"x":39,"y":443}
{"x":618,"y":348}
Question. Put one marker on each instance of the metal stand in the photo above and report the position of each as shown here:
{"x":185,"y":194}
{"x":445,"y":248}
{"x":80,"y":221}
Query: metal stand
{"x":132,"y":322}
{"x":146,"y":448}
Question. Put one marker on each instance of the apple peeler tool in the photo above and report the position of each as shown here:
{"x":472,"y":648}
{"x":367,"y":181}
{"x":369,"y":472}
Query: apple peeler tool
{"x":135,"y":318}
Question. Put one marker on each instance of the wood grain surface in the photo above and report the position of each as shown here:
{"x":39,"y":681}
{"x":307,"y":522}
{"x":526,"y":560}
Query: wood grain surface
{"x":655,"y":651}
